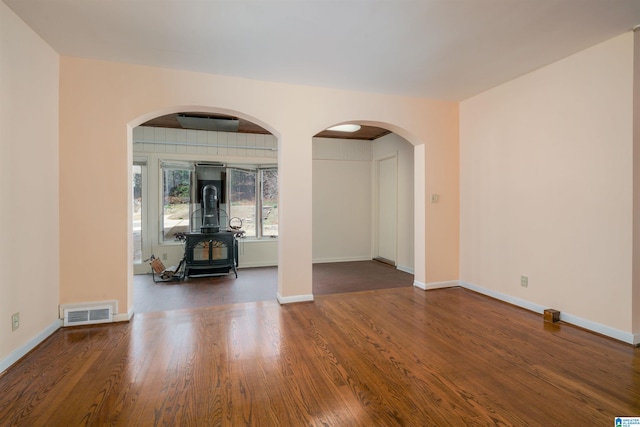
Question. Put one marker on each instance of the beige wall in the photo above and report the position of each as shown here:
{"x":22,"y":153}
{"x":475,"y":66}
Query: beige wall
{"x":100,"y":99}
{"x":29,"y":240}
{"x":636,"y":184}
{"x":546,"y":187}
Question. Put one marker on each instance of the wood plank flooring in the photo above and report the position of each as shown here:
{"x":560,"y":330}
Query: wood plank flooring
{"x":394,"y":357}
{"x":261,"y":284}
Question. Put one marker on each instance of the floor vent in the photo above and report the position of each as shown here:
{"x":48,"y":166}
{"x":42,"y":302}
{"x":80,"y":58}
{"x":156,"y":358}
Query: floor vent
{"x":88,"y":316}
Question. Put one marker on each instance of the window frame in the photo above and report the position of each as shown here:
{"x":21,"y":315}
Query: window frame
{"x":258,"y":170}
{"x":165,"y":165}
{"x":260,"y":179}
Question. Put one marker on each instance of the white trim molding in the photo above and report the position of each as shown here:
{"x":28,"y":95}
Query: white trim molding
{"x":436,"y":285}
{"x":503,"y":297}
{"x":342,"y":259}
{"x":627,"y":337}
{"x":405,"y":269}
{"x":124,"y":317}
{"x":16,"y":355}
{"x":293,"y":299}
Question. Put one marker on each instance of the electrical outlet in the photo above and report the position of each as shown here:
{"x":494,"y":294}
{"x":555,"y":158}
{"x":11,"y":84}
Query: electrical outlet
{"x":524,"y":281}
{"x":15,"y":321}
{"x":435,"y":198}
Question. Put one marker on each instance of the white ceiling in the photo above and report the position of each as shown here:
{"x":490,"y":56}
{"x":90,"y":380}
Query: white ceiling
{"x":446,"y":49}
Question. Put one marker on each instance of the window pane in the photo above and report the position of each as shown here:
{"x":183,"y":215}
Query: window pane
{"x":242,"y":199}
{"x":270,"y":202}
{"x":137,"y":214}
{"x":176,"y":184}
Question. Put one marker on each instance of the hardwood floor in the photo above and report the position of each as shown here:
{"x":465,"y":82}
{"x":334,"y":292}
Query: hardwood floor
{"x":261,"y":284}
{"x":393,"y":357}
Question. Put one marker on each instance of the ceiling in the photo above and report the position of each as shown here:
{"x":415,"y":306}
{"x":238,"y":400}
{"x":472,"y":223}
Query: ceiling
{"x":441,"y":49}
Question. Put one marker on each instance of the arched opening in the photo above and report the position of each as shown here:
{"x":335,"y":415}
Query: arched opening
{"x":176,"y":156}
{"x":363,"y":209}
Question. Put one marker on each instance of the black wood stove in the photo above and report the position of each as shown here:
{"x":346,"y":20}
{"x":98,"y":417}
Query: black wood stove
{"x":211,"y":251}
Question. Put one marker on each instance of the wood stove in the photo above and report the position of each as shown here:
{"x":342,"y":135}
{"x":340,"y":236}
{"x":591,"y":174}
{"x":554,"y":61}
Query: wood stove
{"x":211,"y":254}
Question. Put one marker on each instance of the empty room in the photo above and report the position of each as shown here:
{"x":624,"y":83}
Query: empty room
{"x":377,"y":213}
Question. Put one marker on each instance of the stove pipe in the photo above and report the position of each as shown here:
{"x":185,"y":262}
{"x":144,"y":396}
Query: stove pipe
{"x":210,"y":221}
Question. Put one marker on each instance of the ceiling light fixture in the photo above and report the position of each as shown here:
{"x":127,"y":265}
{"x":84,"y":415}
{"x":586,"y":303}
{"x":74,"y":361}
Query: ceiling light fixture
{"x":349,"y":127}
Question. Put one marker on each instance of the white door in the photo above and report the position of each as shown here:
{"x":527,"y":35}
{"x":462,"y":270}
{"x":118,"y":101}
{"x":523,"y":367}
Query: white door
{"x":387,"y":201}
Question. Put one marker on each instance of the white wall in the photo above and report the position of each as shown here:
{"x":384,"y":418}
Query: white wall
{"x":546,"y":188}
{"x":343,"y":206}
{"x":341,"y":200}
{"x":29,"y":238}
{"x":395,"y":144}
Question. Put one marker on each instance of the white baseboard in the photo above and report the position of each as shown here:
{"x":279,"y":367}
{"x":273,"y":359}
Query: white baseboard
{"x":17,"y":354}
{"x":344,"y":259}
{"x":503,"y":297}
{"x":405,"y":269}
{"x":436,"y":285}
{"x":257,"y":264}
{"x":599,"y":328}
{"x":293,"y":299}
{"x":123,"y":317}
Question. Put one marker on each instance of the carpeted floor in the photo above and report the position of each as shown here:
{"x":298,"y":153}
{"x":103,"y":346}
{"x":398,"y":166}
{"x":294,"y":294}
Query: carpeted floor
{"x":261,"y":284}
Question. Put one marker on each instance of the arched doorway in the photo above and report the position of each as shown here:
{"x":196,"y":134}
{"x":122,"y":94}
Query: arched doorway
{"x":349,"y":196}
{"x":180,"y":151}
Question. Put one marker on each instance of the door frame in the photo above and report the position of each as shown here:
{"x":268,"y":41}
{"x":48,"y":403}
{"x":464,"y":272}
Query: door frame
{"x":376,"y":206}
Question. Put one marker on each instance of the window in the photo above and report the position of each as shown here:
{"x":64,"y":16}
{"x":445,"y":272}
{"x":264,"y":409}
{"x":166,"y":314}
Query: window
{"x":269,"y":187}
{"x":137,"y":213}
{"x":176,"y":191}
{"x":253,"y":197}
{"x":242,"y":198}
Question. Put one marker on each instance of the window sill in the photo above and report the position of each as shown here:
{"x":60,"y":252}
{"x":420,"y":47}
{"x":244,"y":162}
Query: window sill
{"x":256,"y":240}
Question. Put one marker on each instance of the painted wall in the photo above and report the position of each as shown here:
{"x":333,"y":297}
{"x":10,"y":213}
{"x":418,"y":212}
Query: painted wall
{"x":636,"y":183}
{"x":546,"y":186}
{"x":29,"y":241}
{"x":390,"y":144}
{"x":341,"y":200}
{"x":100,"y":102}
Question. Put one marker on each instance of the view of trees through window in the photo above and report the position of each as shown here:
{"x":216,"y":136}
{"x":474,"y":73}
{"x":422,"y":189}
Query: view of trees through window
{"x":252,"y":197}
{"x":137,"y":213}
{"x":242,"y":198}
{"x":269,"y":202}
{"x":176,"y":190}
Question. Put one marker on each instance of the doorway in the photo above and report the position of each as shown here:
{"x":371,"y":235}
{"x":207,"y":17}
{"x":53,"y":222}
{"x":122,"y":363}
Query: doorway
{"x":386,"y":208}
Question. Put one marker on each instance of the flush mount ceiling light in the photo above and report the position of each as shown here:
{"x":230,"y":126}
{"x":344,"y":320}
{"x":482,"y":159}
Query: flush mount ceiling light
{"x":345,"y":128}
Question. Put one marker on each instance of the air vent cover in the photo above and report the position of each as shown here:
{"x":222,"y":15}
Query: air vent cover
{"x":88,"y":316}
